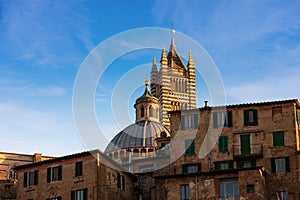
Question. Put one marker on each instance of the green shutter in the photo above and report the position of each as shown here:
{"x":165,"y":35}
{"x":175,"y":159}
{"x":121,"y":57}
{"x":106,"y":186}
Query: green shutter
{"x":73,"y":195}
{"x":217,"y":166}
{"x":240,"y":164}
{"x":215,"y":120}
{"x":199,"y":167}
{"x":223,"y":144}
{"x":59,"y":172}
{"x":119,"y":180}
{"x":123,"y":182}
{"x":298,"y":117}
{"x":36,"y":176}
{"x":255,"y":117}
{"x":85,"y":194}
{"x":229,"y":118}
{"x":25,"y":179}
{"x":278,"y":138}
{"x":49,"y":174}
{"x":287,"y":164}
{"x":273,"y":165}
{"x":246,"y":118}
{"x":184,"y":169}
{"x":230,"y":164}
{"x":189,"y":147}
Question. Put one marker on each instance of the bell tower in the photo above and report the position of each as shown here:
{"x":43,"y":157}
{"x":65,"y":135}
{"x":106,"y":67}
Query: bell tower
{"x":174,"y":84}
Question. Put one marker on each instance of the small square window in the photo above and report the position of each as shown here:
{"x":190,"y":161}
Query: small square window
{"x":250,"y":189}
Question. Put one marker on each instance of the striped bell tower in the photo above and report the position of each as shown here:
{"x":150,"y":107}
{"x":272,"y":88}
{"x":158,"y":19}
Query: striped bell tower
{"x":174,"y":84}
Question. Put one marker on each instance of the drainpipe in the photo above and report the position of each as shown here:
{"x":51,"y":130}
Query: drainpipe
{"x":207,"y":125}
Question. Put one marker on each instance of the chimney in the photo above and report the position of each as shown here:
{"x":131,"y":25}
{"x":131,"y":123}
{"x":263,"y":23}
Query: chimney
{"x":206,"y":104}
{"x":37,"y":157}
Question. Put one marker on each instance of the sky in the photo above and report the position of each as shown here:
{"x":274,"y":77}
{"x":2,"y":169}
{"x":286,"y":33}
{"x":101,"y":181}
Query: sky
{"x":254,"y":44}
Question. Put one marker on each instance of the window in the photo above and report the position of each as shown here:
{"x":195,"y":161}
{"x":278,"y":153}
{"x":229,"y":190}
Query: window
{"x":298,"y":117}
{"x":229,"y":189}
{"x":280,"y":165}
{"x":189,"y":122}
{"x":223,"y":165}
{"x":189,"y":147}
{"x":142,"y":111}
{"x":250,"y":117}
{"x":121,"y":181}
{"x":278,"y":138}
{"x":30,"y":178}
{"x":79,"y":194}
{"x":250,"y":189}
{"x":223,"y":144}
{"x":185,"y":192}
{"x":246,"y":163}
{"x":222,"y":119}
{"x":191,"y":168}
{"x":144,"y":180}
{"x":78,"y":168}
{"x":281,"y":195}
{"x":55,"y":198}
{"x":54,"y":173}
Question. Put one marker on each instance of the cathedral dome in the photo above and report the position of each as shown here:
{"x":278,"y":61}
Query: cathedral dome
{"x":146,"y":133}
{"x":143,"y":134}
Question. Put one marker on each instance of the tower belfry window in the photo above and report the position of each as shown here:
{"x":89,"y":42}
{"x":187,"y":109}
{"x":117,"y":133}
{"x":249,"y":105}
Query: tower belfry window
{"x":142,"y":111}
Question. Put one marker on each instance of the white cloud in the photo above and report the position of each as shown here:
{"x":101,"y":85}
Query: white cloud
{"x":280,"y":87}
{"x":28,"y":130}
{"x":25,"y":88}
{"x":37,"y":31}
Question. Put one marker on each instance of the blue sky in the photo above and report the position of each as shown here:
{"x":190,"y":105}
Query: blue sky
{"x":255,"y":44}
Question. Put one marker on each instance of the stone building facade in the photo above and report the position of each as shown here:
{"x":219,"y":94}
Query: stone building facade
{"x":81,"y":176}
{"x":8,"y":176}
{"x":10,"y":160}
{"x":246,"y":151}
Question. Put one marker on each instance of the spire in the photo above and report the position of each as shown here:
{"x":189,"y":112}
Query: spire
{"x":146,"y":82}
{"x":172,"y":46}
{"x":191,"y":60}
{"x":154,"y":67}
{"x":164,"y":60}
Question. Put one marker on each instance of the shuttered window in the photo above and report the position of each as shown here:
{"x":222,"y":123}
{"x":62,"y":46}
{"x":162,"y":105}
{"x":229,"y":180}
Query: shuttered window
{"x":250,"y":117}
{"x":189,"y":122}
{"x":223,"y":165}
{"x":79,"y":194}
{"x":222,"y":119}
{"x":223,"y":144}
{"x":54,"y":173}
{"x":280,"y":164}
{"x":78,"y":168}
{"x":191,"y":168}
{"x":31,"y":178}
{"x":278,"y":138}
{"x":189,"y":147}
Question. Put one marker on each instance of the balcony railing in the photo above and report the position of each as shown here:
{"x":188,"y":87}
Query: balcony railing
{"x":247,"y":151}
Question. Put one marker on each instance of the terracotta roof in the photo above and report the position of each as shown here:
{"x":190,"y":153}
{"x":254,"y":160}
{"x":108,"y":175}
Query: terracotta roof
{"x":76,"y":155}
{"x":241,"y":105}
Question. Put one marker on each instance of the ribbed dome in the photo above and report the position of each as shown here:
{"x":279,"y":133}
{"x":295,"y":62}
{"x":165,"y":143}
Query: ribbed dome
{"x":138,"y":135}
